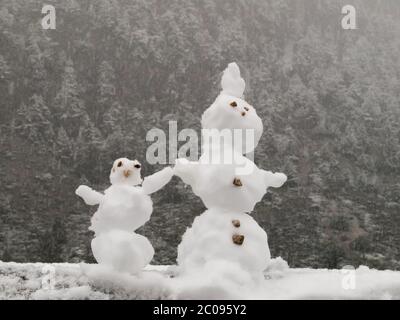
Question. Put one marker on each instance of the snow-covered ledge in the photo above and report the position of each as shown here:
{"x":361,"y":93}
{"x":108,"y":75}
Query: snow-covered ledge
{"x":74,"y":281}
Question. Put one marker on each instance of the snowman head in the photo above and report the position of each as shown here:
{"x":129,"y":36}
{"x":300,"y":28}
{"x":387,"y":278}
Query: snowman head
{"x":231,"y":111}
{"x":125,"y":171}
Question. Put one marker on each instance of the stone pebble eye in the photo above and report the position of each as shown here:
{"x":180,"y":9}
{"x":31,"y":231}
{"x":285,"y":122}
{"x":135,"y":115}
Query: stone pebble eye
{"x":237,"y":182}
{"x":233,"y":104}
{"x":137,"y":166}
{"x":119,"y":164}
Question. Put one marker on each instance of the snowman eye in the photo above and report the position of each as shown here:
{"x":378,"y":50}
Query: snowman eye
{"x":119,"y":164}
{"x":233,"y":104}
{"x":137,"y":166}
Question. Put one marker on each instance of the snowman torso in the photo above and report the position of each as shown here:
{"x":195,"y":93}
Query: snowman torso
{"x":237,"y":186}
{"x":123,"y":208}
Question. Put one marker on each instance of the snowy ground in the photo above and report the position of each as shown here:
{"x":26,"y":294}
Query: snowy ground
{"x":73,"y":281}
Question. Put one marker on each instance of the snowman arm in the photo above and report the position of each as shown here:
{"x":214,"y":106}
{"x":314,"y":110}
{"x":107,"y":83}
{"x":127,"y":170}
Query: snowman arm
{"x":186,"y":170}
{"x":274,"y":180}
{"x":90,"y":196}
{"x":157,"y":180}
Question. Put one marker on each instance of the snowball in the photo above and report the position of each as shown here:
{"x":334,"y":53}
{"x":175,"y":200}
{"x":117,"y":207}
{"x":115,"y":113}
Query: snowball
{"x":124,"y":208}
{"x":236,"y":187}
{"x":237,"y":116}
{"x":231,"y":112}
{"x":122,"y":251}
{"x":211,"y":238}
{"x":157,"y":180}
{"x":232,"y":83}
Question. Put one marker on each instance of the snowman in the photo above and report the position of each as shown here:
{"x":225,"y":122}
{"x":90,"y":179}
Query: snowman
{"x":225,"y":238}
{"x":123,"y":208}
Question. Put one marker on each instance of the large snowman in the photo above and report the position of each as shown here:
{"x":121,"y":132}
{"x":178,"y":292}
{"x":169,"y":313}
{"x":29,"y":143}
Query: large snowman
{"x":226,"y":235}
{"x":124,"y":207}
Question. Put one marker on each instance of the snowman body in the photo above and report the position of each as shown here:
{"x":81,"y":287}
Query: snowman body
{"x":123,"y":210}
{"x":124,"y":207}
{"x":226,"y":235}
{"x":226,"y":231}
{"x":235,"y":186}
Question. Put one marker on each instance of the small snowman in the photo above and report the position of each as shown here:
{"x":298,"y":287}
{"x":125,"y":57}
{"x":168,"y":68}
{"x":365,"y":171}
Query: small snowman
{"x":226,"y":235}
{"x":123,"y":208}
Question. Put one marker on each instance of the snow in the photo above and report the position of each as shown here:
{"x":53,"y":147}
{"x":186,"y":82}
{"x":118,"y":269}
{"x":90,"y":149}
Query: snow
{"x":88,"y":281}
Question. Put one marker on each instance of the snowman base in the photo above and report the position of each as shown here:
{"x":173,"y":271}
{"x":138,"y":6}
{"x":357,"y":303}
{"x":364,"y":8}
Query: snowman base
{"x":125,"y":252}
{"x":231,"y":238}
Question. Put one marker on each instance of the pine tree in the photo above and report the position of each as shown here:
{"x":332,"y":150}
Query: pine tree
{"x":34,"y":121}
{"x":4,"y":69}
{"x":106,"y":100}
{"x":68,"y":104}
{"x":52,"y":242}
{"x":63,"y":147}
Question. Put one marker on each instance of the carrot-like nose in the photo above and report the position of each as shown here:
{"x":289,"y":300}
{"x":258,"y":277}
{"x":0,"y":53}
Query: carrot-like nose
{"x":127,"y":173}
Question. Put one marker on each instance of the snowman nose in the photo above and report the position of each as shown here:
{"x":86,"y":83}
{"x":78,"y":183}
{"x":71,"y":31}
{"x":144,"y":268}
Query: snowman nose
{"x":127,"y":173}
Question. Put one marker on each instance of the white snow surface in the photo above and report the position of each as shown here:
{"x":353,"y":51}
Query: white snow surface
{"x":88,"y":281}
